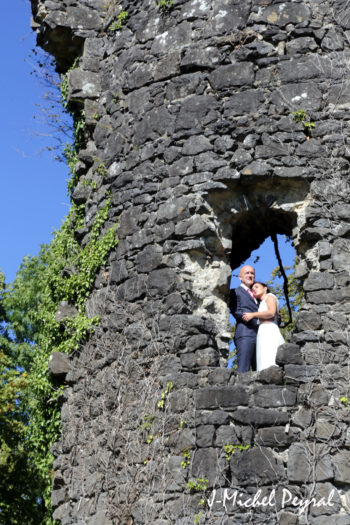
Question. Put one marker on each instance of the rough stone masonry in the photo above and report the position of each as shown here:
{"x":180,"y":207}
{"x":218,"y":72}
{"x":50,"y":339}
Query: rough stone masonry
{"x":190,"y":107}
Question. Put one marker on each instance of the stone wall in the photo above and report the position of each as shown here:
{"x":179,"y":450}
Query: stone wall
{"x":190,"y":113}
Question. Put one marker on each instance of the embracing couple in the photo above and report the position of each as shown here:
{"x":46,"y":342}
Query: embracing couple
{"x":257,"y":336}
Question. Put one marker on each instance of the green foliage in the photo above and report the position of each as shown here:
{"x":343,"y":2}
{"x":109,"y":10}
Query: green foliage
{"x":295,"y":292}
{"x":79,"y":129}
{"x":20,"y":486}
{"x":165,"y":5}
{"x":198,"y":485}
{"x":70,"y":151}
{"x":100,"y":168}
{"x":71,"y":156}
{"x":169,"y":387}
{"x":86,"y":183}
{"x":118,"y":24}
{"x":345,"y":401}
{"x":231,"y":449}
{"x":82,"y":262}
{"x":29,"y":333}
{"x":303,"y":117}
{"x":63,"y":271}
{"x":187,"y":459}
{"x":147,"y":422}
{"x":64,"y":85}
{"x":197,"y":518}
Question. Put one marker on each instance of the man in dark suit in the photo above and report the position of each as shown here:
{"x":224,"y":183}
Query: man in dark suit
{"x":242,"y":300}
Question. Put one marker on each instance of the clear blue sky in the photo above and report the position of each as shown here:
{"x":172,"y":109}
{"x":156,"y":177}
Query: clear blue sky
{"x":34,"y":198}
{"x":267,"y":259}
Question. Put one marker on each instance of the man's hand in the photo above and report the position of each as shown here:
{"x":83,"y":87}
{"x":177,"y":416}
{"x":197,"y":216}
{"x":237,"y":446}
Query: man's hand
{"x":248,"y":316}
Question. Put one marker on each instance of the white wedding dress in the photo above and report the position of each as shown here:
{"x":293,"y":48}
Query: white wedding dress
{"x":269,"y":338}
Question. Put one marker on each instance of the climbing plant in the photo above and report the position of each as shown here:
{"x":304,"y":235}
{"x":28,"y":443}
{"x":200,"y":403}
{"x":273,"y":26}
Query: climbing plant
{"x":63,"y":271}
{"x":70,"y":150}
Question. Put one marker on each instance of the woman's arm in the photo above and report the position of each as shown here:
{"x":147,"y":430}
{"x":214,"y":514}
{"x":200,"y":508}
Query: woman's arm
{"x":265,"y":315}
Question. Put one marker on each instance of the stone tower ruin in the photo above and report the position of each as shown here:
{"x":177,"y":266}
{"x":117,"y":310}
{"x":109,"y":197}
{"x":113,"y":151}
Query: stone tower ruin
{"x":190,"y":107}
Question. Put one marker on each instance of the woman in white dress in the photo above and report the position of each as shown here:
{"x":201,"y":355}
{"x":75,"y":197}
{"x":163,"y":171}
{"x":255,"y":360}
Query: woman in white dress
{"x":269,"y":337}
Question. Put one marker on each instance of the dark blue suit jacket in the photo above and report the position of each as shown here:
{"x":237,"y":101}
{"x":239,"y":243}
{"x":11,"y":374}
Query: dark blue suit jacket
{"x":241,"y":301}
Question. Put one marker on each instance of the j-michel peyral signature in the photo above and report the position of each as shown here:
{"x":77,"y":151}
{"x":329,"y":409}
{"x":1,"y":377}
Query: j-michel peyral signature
{"x":234,"y":498}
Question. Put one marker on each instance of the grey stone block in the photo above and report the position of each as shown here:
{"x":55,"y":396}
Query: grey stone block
{"x":224,"y":397}
{"x":309,"y":462}
{"x":205,"y":435}
{"x":302,"y":417}
{"x":328,"y":296}
{"x":149,"y":258}
{"x":301,"y":45}
{"x":132,"y":288}
{"x":58,"y":497}
{"x":226,"y":435}
{"x":339,"y":519}
{"x":196,"y":144}
{"x":83,"y":17}
{"x":308,"y":321}
{"x":201,"y":358}
{"x":249,"y":101}
{"x":297,"y":95}
{"x":213,"y":417}
{"x":65,"y":311}
{"x":177,"y":474}
{"x":287,"y":518}
{"x":276,"y":436}
{"x":256,"y":168}
{"x":340,"y":254}
{"x":341,"y":464}
{"x":326,"y":431}
{"x":271,"y":375}
{"x":183,"y":439}
{"x":118,"y":272}
{"x":256,"y":466}
{"x":162,"y":282}
{"x":219,"y":376}
{"x":59,"y":365}
{"x":284,"y":14}
{"x":228,"y":16}
{"x":300,"y":373}
{"x":207,"y":464}
{"x":83,"y":84}
{"x":318,"y":281}
{"x":260,"y":417}
{"x":232,"y":75}
{"x":313,"y":394}
{"x":275,"y":396}
{"x":194,"y":110}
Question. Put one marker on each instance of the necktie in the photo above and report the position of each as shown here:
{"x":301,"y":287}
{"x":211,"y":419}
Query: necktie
{"x":251,"y":293}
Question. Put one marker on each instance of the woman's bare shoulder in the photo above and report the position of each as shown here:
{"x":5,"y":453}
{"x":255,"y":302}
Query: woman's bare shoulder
{"x":273,"y":298}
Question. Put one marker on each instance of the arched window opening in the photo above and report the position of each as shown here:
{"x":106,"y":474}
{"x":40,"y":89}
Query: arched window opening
{"x":239,"y":219}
